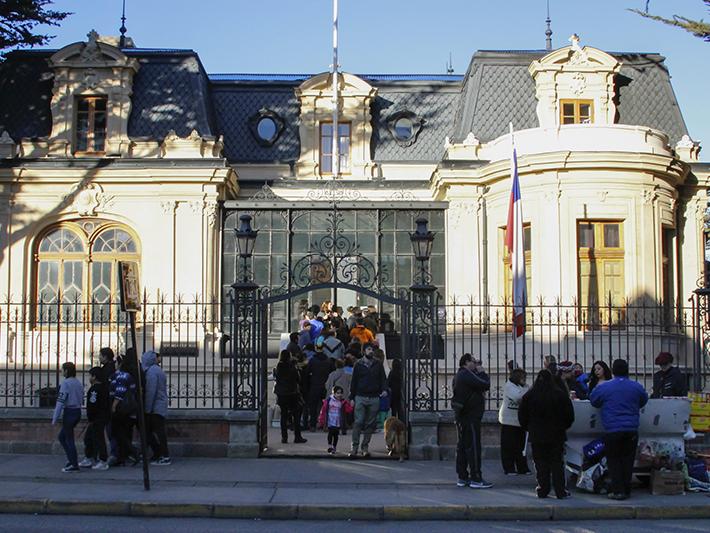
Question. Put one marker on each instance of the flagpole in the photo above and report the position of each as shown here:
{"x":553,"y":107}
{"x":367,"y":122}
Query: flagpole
{"x":512,"y":278}
{"x":335,"y":165}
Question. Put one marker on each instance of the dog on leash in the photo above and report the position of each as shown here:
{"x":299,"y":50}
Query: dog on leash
{"x":396,"y":437}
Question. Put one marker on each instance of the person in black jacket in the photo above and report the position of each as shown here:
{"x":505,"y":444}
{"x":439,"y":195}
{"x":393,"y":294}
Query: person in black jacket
{"x":546,"y":413}
{"x":669,"y":380}
{"x":98,"y":413}
{"x":317,"y":371}
{"x":366,"y":387}
{"x":470,"y":383}
{"x":288,"y":396}
{"x":394,"y":384}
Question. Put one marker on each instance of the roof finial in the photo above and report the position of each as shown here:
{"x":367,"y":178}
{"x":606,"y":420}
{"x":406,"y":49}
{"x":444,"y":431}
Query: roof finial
{"x":122,"y":29}
{"x":548,"y":31}
{"x":449,"y":66}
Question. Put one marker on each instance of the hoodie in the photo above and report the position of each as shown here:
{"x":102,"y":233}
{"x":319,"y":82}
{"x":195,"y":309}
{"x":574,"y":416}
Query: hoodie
{"x":156,"y":386}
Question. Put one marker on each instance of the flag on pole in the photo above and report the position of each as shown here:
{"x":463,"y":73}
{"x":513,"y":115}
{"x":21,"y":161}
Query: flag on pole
{"x":516,"y":250}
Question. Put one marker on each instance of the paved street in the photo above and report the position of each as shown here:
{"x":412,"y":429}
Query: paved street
{"x":92,"y":524}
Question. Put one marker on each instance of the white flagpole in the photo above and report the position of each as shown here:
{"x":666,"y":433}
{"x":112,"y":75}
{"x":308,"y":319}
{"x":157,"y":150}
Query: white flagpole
{"x":335,"y":165}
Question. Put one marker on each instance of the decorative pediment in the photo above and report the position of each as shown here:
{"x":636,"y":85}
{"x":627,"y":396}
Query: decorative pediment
{"x":575,"y":73}
{"x":348,"y":85}
{"x":91,"y":54}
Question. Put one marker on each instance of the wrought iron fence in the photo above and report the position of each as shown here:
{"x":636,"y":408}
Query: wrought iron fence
{"x":635,"y":331}
{"x":36,"y":338}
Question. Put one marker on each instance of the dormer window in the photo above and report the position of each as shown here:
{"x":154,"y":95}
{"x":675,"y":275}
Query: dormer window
{"x":576,"y":111}
{"x":91,"y":124}
{"x":326,"y":147}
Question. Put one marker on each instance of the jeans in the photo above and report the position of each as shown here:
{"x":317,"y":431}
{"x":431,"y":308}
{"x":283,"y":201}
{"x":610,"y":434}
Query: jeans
{"x":468,"y":448}
{"x":548,"y":457}
{"x":157,"y":439}
{"x":333,"y":435}
{"x":315,"y":402}
{"x":366,"y":409}
{"x":512,"y":444}
{"x":66,"y":434}
{"x":620,"y":449}
{"x":95,"y":440}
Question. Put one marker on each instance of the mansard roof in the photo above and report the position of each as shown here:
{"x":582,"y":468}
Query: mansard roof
{"x":172,"y":91}
{"x":498,"y":89}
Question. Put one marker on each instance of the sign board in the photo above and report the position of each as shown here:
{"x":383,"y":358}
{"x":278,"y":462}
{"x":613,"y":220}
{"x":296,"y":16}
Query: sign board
{"x":130,"y":286}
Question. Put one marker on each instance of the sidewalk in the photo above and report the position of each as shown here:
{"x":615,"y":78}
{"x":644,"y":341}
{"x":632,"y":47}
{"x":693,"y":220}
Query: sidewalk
{"x":312,"y":489}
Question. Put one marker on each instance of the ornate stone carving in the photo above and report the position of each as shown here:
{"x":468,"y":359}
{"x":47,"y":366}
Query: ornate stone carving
{"x":196,"y":206}
{"x":211,"y":213}
{"x":89,"y":199}
{"x":460,"y":211}
{"x":91,"y":51}
{"x":650,"y":195}
{"x":266,"y":193}
{"x":334,"y":191}
{"x":579,"y":56}
{"x":602,"y":196}
{"x":168,"y":206}
{"x":578,"y":83}
{"x":687,"y":149}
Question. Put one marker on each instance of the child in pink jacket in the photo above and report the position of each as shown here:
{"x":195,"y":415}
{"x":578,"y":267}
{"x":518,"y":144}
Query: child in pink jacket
{"x":332,"y":416}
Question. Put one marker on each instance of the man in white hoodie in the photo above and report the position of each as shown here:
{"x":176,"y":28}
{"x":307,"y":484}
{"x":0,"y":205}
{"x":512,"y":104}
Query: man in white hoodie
{"x":512,"y":436}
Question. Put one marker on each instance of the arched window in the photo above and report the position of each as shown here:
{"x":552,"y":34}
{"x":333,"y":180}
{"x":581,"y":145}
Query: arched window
{"x":61,"y":256}
{"x":79,"y":263}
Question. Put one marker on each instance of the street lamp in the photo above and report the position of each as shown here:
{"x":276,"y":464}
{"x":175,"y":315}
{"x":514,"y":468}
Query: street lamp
{"x":422,"y":241}
{"x":246,"y":239}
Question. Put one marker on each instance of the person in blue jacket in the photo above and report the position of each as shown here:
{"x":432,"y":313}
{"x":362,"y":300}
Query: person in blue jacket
{"x":620,"y":401}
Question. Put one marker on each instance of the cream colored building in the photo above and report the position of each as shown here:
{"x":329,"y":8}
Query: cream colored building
{"x":111,"y":154}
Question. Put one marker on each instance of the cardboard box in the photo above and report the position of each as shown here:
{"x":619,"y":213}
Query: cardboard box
{"x":667,"y":483}
{"x":700,"y":423}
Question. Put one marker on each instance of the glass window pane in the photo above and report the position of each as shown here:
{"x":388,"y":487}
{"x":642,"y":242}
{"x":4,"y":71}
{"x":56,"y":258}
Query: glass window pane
{"x":326,"y":130}
{"x":61,"y":240}
{"x":586,"y":236}
{"x":72,"y":281}
{"x":367,"y":242}
{"x":387,"y":243}
{"x":568,"y":109}
{"x":611,"y":235}
{"x":48,"y":281}
{"x":526,"y":239}
{"x":585,"y":111}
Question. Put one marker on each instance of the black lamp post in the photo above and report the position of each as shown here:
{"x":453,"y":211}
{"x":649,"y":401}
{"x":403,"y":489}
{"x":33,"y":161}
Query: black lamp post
{"x":246,"y":239}
{"x":422,"y":241}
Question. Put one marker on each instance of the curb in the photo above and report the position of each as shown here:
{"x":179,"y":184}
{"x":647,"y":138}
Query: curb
{"x":349,"y":512}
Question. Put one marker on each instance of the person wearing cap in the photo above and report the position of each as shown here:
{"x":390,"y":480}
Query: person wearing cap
{"x":620,"y":401}
{"x":569,"y":377}
{"x":669,"y":380}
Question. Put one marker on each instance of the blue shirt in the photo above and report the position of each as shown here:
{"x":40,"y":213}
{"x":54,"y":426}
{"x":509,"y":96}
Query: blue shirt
{"x":620,"y":401}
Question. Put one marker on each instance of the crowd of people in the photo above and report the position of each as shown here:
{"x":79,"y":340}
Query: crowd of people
{"x":331,"y":376}
{"x":112,"y":411}
{"x":542,"y":413}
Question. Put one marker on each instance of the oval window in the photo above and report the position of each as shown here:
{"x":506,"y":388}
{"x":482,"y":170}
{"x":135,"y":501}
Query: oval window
{"x":266,"y":128}
{"x":404,"y":128}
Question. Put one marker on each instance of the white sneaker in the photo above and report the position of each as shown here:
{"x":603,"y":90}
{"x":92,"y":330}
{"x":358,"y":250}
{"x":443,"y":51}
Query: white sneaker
{"x":86,"y":463}
{"x":100,"y":466}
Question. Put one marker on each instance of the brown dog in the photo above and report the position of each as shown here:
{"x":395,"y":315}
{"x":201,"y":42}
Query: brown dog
{"x":396,"y":437}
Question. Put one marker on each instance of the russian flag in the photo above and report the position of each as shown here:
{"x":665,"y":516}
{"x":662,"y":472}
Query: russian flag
{"x":516,"y":250}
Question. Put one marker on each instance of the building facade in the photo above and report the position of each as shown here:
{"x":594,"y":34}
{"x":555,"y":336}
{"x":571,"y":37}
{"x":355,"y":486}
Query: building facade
{"x":139,"y":154}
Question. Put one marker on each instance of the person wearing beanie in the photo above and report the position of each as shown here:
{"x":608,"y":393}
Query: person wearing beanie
{"x":620,"y":401}
{"x":669,"y":380}
{"x":569,"y":376}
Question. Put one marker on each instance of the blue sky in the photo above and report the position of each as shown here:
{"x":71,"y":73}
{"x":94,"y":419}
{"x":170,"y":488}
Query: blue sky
{"x":399,"y":36}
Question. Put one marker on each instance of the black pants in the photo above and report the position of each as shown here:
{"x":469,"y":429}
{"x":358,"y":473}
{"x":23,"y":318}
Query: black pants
{"x":468,"y":448}
{"x":548,"y":457}
{"x":157,"y":438}
{"x":512,"y":444}
{"x":122,"y":431}
{"x":315,"y":402}
{"x":620,"y":449}
{"x":95,"y":440}
{"x":291,"y":410}
{"x":333,"y":436}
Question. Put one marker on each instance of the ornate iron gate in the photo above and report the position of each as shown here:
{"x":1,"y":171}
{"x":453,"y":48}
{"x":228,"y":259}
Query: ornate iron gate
{"x":332,"y":262}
